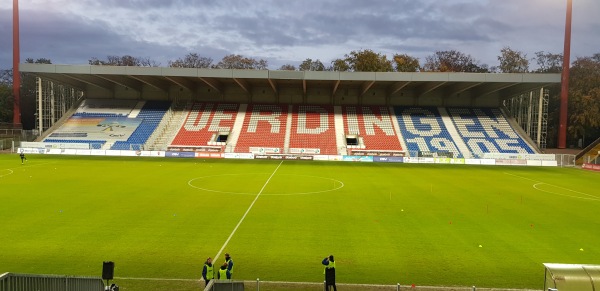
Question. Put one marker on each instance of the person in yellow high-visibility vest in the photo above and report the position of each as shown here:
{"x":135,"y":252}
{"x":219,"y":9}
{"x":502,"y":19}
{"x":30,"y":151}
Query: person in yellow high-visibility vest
{"x":208,"y":271}
{"x":329,"y":272}
{"x":223,"y":273}
{"x":229,"y":263}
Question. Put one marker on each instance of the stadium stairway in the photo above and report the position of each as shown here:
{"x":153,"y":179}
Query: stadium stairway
{"x":424,"y":131}
{"x":169,"y":128}
{"x":263,"y":129}
{"x":374,"y":126}
{"x":340,"y":140}
{"x":60,"y":121}
{"x":311,"y":129}
{"x":288,"y":130}
{"x":152,"y":140}
{"x":204,"y":122}
{"x":136,"y":110}
{"x":524,"y":135}
{"x":460,"y":144}
{"x":486,"y":130}
{"x":397,"y":128}
{"x":589,"y":153}
{"x":238,"y":124}
{"x":151,"y":114}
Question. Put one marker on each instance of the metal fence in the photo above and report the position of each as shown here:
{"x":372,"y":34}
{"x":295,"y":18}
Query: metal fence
{"x":592,"y":160}
{"x":6,"y":143}
{"x":17,"y":282}
{"x":564,"y":160}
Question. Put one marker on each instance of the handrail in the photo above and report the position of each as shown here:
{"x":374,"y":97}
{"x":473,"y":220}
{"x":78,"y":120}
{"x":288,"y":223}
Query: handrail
{"x":14,"y":282}
{"x":587,"y":149}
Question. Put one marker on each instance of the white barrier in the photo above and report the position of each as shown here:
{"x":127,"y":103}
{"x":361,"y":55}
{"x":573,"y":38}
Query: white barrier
{"x":537,"y":157}
{"x":408,"y":160}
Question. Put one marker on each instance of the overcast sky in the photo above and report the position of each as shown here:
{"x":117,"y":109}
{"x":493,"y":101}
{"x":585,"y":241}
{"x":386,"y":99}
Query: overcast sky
{"x":289,"y":31}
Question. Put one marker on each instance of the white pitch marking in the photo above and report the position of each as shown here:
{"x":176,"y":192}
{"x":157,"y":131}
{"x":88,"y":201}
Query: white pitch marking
{"x":11,"y":172}
{"x":335,"y":182}
{"x":535,"y":186}
{"x":21,"y":167}
{"x":247,"y":211}
{"x":596,"y":198}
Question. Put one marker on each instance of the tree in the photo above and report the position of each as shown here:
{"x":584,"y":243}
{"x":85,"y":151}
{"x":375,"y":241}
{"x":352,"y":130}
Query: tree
{"x":512,"y":61}
{"x":191,"y":60}
{"x":406,"y":63}
{"x":584,"y":98}
{"x":551,"y":63}
{"x":339,"y":65}
{"x":241,"y":62}
{"x":368,"y":61}
{"x":310,"y":65}
{"x":287,"y":67}
{"x":453,"y":61}
{"x":125,"y":60}
{"x":6,"y":77}
{"x":6,"y":101}
{"x":38,"y":61}
{"x":548,"y":62}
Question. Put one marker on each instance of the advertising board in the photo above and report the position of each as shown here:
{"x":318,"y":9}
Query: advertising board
{"x":591,"y":167}
{"x":170,"y":154}
{"x":245,"y":156}
{"x":379,"y":159}
{"x":367,"y":159}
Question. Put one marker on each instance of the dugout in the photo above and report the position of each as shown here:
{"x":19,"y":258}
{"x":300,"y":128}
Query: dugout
{"x":572,"y":277}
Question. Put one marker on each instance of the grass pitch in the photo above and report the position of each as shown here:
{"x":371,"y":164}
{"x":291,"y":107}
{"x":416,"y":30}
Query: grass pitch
{"x":436,"y":225}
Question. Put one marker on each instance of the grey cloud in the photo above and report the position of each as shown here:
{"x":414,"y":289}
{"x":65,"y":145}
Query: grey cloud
{"x":138,"y":5}
{"x":325,"y":28}
{"x":214,"y":28}
{"x":5,"y":39}
{"x":74,"y":40}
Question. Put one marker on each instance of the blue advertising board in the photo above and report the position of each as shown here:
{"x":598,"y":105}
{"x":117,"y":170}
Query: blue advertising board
{"x":180,"y":154}
{"x":388,"y":159}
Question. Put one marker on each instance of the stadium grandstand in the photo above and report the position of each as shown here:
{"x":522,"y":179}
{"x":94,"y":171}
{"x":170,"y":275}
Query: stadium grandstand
{"x":454,"y":115}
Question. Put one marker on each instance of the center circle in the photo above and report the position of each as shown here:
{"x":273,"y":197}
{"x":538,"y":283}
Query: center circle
{"x":255,"y":183}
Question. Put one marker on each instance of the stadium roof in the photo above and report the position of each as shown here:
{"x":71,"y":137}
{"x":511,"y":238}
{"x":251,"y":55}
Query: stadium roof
{"x":420,"y":84}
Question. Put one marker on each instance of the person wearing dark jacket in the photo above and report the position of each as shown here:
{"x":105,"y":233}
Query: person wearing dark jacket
{"x":229,"y":263}
{"x":208,"y":272}
{"x":224,"y":273}
{"x":329,"y":263}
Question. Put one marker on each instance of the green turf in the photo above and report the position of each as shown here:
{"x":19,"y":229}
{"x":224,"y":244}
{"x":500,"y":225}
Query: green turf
{"x":385,"y":223}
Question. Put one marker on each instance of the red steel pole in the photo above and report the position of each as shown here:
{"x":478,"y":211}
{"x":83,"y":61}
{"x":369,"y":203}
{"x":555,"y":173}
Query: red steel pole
{"x":16,"y":60}
{"x":564,"y":90}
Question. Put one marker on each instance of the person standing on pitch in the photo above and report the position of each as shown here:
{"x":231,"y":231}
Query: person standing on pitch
{"x":224,"y":273}
{"x":229,"y":263}
{"x":329,"y":272}
{"x":208,"y":272}
{"x":23,"y":158}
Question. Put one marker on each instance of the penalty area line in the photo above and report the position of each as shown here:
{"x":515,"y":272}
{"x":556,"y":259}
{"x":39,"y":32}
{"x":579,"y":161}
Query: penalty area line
{"x":247,"y":211}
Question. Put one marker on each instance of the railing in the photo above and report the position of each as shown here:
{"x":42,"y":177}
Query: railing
{"x":565,"y":160}
{"x":587,"y":149}
{"x":7,"y":143}
{"x":6,"y":125}
{"x":10,"y":132}
{"x":15,"y":282}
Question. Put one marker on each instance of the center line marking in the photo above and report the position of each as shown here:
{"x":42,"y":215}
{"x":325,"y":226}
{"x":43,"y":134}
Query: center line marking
{"x":248,"y":210}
